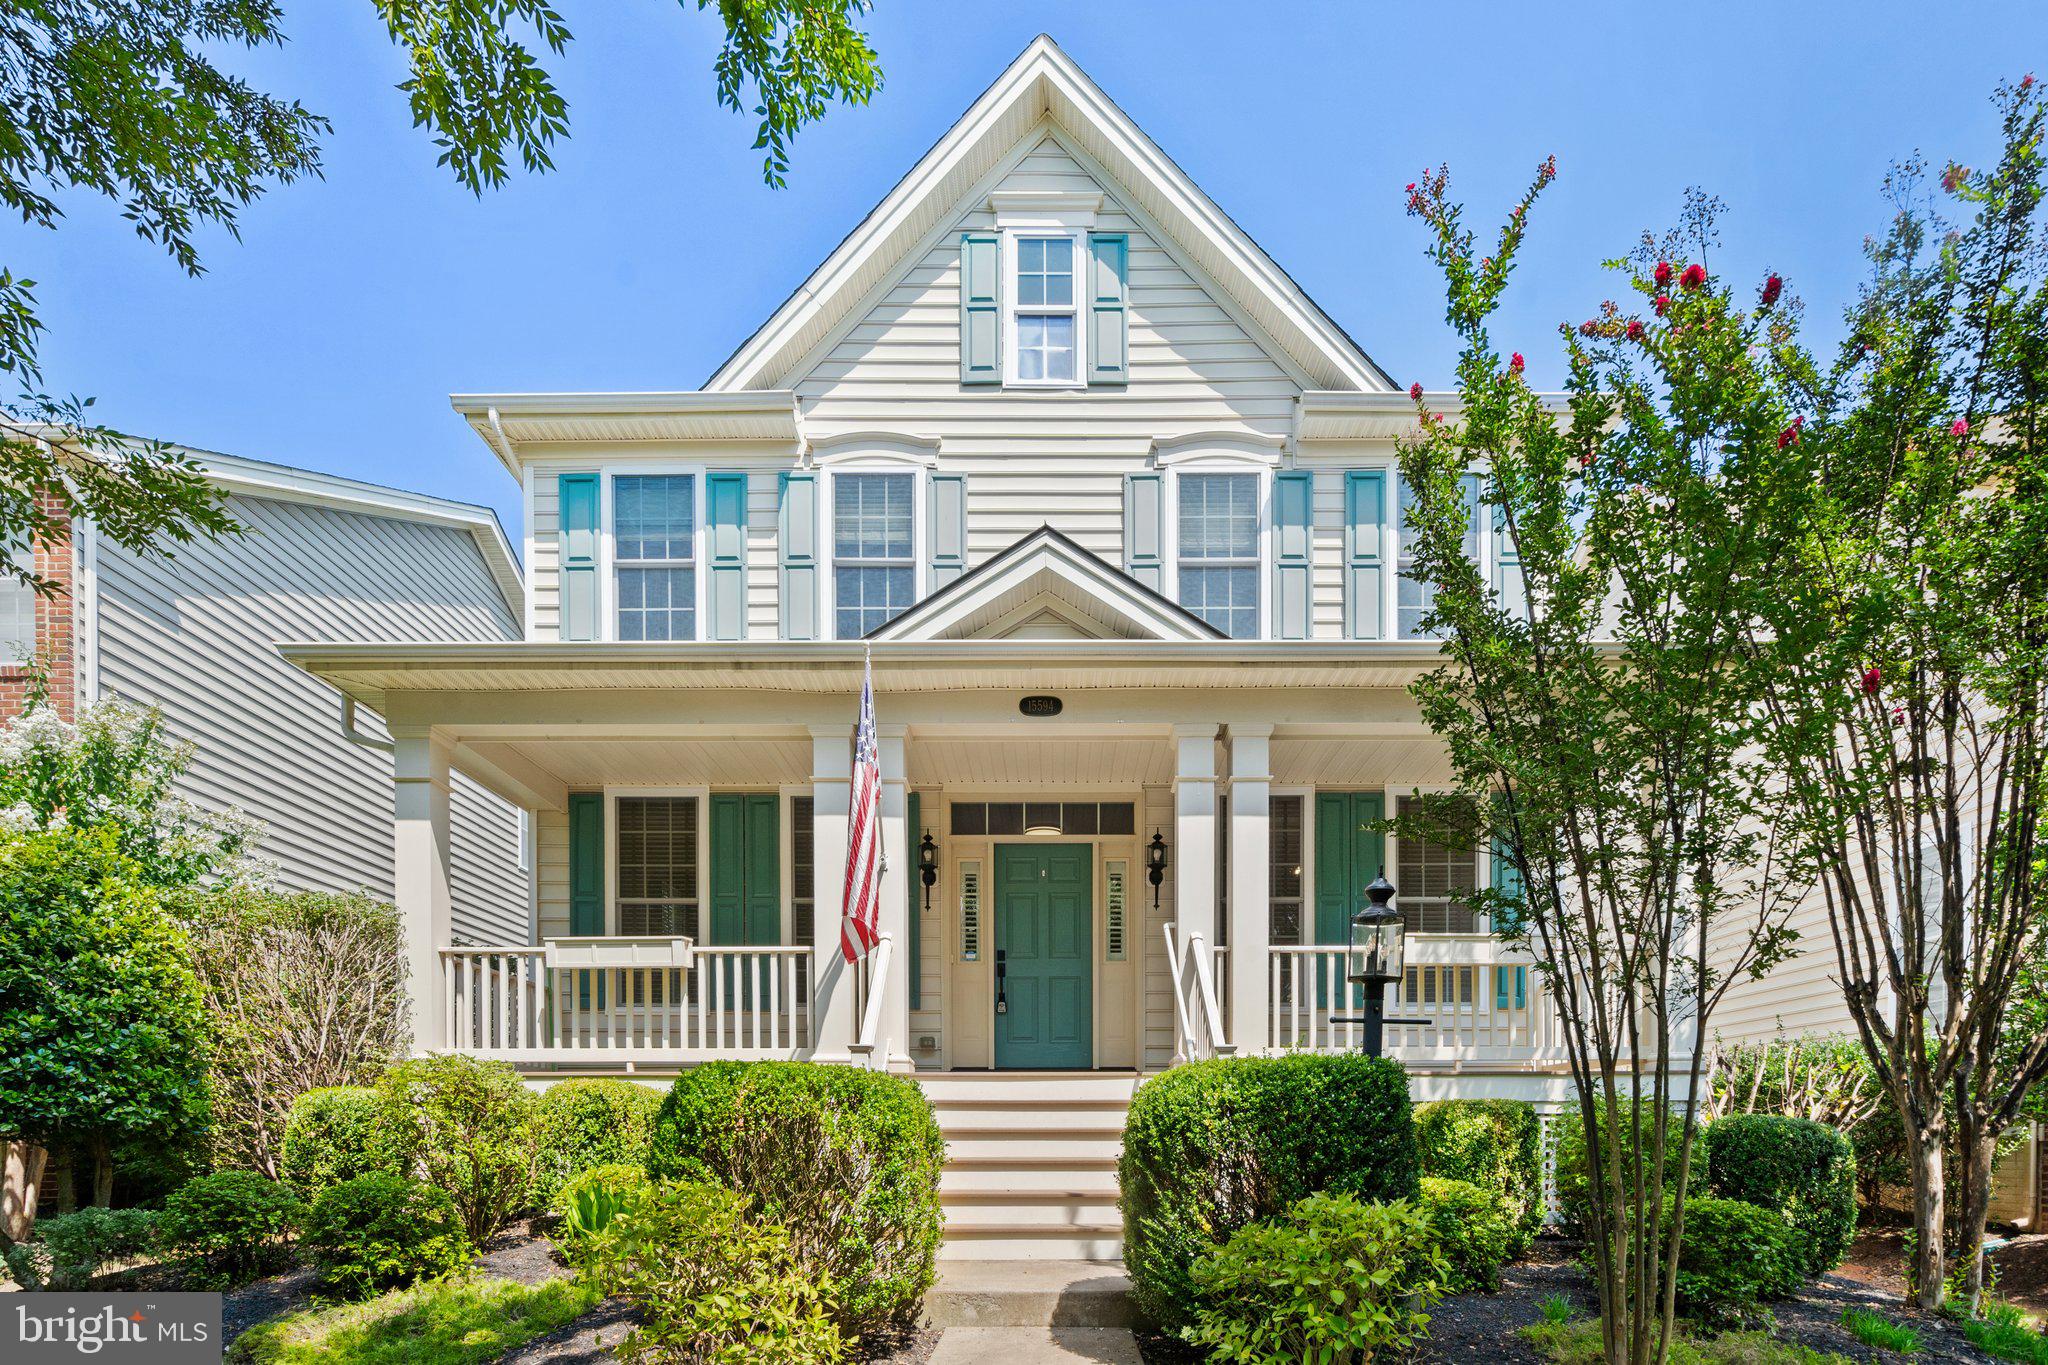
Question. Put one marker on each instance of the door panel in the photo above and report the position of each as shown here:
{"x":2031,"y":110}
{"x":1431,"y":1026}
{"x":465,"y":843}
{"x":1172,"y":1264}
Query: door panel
{"x":1348,"y":857}
{"x":746,"y":883}
{"x":1044,"y":940}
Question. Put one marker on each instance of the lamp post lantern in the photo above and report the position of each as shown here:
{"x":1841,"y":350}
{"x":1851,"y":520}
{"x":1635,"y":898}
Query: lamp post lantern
{"x":1373,"y":957}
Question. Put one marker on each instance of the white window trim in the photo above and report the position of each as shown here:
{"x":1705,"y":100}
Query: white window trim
{"x":1222,"y":463}
{"x":919,"y":467}
{"x":611,"y":850}
{"x":608,"y":576}
{"x":1044,"y":213}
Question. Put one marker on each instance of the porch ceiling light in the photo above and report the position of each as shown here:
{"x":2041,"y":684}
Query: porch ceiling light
{"x":928,"y":866}
{"x":1041,"y":830}
{"x":1155,"y":865}
{"x":1374,"y":953}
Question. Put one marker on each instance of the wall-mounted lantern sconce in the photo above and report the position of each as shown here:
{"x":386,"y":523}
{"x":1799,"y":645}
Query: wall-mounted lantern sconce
{"x":928,"y":866}
{"x":1155,"y":865}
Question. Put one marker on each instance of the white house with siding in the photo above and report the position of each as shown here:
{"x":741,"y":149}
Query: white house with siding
{"x":1111,"y":505}
{"x":193,"y":634}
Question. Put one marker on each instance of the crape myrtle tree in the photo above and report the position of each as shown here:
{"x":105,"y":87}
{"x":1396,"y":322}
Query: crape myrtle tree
{"x":1594,"y":700}
{"x":1908,"y":663}
{"x":135,"y":101}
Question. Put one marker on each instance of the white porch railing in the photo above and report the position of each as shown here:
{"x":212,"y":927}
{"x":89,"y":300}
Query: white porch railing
{"x":741,"y":1002}
{"x":871,"y":1047}
{"x":1462,"y":999}
{"x":1193,"y":967}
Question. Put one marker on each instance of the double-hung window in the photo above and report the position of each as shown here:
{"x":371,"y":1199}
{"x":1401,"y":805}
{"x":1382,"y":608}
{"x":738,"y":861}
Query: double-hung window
{"x":17,"y":609}
{"x":654,"y":555}
{"x":657,"y":865}
{"x":1415,"y":598}
{"x":873,"y":542}
{"x":1048,"y":331}
{"x":1219,"y":551}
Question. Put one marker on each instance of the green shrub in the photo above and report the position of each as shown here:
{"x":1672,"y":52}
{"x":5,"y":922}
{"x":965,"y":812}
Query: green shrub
{"x":1494,"y":1144}
{"x":1732,"y":1257}
{"x":334,"y":1134}
{"x":1577,"y":1341}
{"x":378,"y":1231}
{"x":585,"y":1123}
{"x":1336,"y":1279}
{"x":1576,"y":1180}
{"x":1799,"y":1169}
{"x":230,"y":1226}
{"x":847,"y":1160}
{"x":69,"y":1250}
{"x":710,"y":1283}
{"x":442,"y":1322}
{"x":1473,"y":1231}
{"x":589,"y":1201}
{"x":465,"y":1126}
{"x":1876,"y":1330}
{"x":2003,"y":1331}
{"x":1214,"y":1146}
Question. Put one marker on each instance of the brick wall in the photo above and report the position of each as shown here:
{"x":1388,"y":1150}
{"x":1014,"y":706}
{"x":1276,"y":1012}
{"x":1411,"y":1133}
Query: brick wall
{"x":55,"y":641}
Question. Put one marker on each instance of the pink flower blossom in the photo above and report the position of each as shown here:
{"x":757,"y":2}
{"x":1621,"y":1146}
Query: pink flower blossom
{"x":1516,"y":362}
{"x":1695,"y":275}
{"x":1790,"y":435}
{"x":1959,"y":428}
{"x":1873,"y":680}
{"x":1662,"y":274}
{"x":1663,"y":304}
{"x":1415,"y":391}
{"x":1772,"y":287}
{"x":1588,"y":327}
{"x":1635,"y":329}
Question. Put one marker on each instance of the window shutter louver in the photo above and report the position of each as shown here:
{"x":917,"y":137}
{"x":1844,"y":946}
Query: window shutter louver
{"x":796,"y":524}
{"x":981,"y":311}
{"x":949,"y":528}
{"x":1365,"y":516}
{"x":1293,"y":499}
{"x":1108,"y":328}
{"x":725,"y":523}
{"x":1145,"y":530}
{"x":577,"y":513}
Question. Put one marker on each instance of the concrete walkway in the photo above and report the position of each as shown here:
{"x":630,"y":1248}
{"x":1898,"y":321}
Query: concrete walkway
{"x":1035,"y":1346}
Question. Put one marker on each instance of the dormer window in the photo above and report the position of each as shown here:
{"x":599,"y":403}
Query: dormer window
{"x":1045,"y":320}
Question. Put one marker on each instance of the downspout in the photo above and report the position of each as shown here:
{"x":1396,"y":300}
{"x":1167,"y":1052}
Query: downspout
{"x":504,"y":441}
{"x":350,"y":733}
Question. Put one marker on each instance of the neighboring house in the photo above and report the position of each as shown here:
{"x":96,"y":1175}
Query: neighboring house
{"x":1112,"y":506}
{"x":193,"y":634}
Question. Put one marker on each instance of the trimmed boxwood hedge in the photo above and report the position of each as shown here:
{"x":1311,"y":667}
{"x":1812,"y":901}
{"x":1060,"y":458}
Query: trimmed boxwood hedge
{"x":1494,"y":1144}
{"x":1215,"y":1145}
{"x":334,"y":1134}
{"x":589,"y":1122}
{"x":1732,"y":1258}
{"x":1799,"y":1169}
{"x":847,"y":1160}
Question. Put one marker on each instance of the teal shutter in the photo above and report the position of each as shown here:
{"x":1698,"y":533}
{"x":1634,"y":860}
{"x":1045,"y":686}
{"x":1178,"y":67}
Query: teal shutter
{"x":1365,"y":560}
{"x":1510,"y":983}
{"x":1293,"y":498}
{"x":1108,"y":329}
{"x":913,"y":835}
{"x":981,"y":309}
{"x":949,"y":528}
{"x":577,"y":503}
{"x":586,"y":863}
{"x":1509,"y":586}
{"x":725,"y":525}
{"x":1507,"y":879}
{"x":1145,"y":530}
{"x":796,"y":529}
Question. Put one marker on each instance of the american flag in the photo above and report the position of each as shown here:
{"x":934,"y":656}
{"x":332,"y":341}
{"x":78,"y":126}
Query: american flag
{"x":861,"y":928}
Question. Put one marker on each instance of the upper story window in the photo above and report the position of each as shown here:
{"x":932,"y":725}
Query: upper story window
{"x":1219,"y":551}
{"x":1047,"y":320}
{"x":874,"y":542}
{"x":1414,"y":597}
{"x":17,"y":611}
{"x":654,"y":555}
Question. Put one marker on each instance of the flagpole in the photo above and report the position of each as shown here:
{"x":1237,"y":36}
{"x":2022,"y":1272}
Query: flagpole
{"x":867,"y":654}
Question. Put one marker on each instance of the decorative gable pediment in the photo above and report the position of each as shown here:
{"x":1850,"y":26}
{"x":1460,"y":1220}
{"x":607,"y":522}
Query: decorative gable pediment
{"x":1045,"y":587}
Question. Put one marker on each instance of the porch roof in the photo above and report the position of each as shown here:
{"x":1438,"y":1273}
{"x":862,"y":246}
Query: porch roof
{"x":369,"y":672}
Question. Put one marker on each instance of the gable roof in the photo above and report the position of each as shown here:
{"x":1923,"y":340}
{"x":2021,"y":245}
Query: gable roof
{"x":1043,"y":83}
{"x":1046,"y":572}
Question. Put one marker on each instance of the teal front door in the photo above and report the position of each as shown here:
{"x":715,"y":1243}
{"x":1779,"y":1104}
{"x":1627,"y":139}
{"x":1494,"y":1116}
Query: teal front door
{"x":1044,"y":956}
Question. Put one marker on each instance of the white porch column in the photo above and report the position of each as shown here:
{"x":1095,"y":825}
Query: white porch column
{"x":420,"y":880}
{"x":899,"y":856}
{"x":1251,"y":783}
{"x":832,"y":1017}
{"x":1194,"y":832}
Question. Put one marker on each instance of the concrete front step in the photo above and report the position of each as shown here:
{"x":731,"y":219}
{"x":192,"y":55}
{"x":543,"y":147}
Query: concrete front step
{"x":1028,"y":1088}
{"x":1087,"y":1214}
{"x":1013,"y":1244}
{"x":1044,"y":1293}
{"x":975,"y":1181}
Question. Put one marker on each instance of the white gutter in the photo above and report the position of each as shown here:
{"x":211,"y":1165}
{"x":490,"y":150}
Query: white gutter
{"x":350,"y":733}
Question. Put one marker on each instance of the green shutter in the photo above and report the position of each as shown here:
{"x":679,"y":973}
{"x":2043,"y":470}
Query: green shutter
{"x":1108,"y":329}
{"x":1508,"y":880}
{"x":981,"y":309}
{"x":1144,"y":529}
{"x":746,"y":862}
{"x":796,"y":529}
{"x":1365,"y":561}
{"x":914,"y":964}
{"x":1509,"y":586}
{"x":586,"y":863}
{"x":1293,"y":511}
{"x":1510,"y":983}
{"x":949,"y":528}
{"x":577,"y":504}
{"x":725,"y":526}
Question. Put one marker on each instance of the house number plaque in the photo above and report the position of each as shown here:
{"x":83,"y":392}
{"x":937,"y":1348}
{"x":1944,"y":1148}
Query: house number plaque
{"x":1041,"y":706}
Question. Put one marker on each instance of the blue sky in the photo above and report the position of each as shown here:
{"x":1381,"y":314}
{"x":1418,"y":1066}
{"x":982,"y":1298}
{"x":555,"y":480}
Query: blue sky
{"x":330,"y":336}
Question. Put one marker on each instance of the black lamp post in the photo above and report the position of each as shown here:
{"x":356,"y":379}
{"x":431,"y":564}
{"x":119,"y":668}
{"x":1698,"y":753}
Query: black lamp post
{"x":928,"y":866}
{"x":1373,"y":958}
{"x":1155,"y":865}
